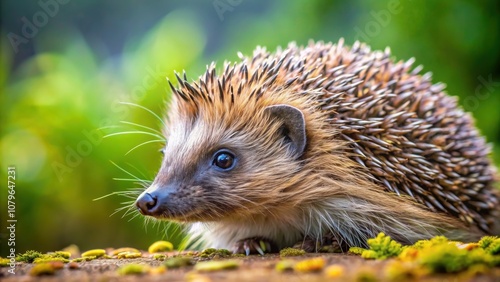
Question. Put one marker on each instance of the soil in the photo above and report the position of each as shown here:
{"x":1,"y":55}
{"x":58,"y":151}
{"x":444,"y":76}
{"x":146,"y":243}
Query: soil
{"x":252,"y":268}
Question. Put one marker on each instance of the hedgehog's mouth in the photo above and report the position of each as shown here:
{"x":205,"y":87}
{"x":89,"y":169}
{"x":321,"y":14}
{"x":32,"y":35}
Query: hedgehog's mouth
{"x":175,"y":214}
{"x":198,"y":215}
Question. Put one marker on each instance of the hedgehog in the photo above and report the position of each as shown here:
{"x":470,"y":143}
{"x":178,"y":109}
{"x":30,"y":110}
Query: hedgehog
{"x":320,"y":146}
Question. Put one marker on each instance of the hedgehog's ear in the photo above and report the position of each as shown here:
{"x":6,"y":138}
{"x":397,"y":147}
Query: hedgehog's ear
{"x":294,"y":126}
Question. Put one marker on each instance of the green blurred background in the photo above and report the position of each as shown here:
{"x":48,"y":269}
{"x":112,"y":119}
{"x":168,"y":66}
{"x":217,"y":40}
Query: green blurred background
{"x":66,"y":65}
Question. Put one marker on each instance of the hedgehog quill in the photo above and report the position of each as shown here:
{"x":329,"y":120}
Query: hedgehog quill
{"x":320,"y":144}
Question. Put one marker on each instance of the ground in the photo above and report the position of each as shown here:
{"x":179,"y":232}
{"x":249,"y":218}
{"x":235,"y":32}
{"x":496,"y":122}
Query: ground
{"x":252,"y":268}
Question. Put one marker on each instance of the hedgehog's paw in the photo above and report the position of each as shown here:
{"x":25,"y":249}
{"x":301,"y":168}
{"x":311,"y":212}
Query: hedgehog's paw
{"x":308,"y":244}
{"x":328,"y":244}
{"x":254,"y":245}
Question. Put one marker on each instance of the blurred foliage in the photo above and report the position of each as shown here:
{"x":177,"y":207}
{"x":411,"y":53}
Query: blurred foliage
{"x":61,"y":90}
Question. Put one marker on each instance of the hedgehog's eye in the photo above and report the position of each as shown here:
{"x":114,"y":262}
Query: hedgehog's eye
{"x":162,"y":151}
{"x":224,"y":160}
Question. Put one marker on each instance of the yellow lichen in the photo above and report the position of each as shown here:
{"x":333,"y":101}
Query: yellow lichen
{"x":207,"y":266}
{"x":408,"y":253}
{"x":284,"y":265}
{"x":291,"y":252}
{"x":42,"y":269}
{"x":45,"y":259}
{"x":403,"y":271}
{"x":94,"y":253}
{"x":334,"y":271}
{"x":133,"y":269}
{"x":157,"y":270}
{"x":4,"y":262}
{"x":160,"y":246}
{"x":195,"y":277}
{"x":122,"y":250}
{"x":73,"y":250}
{"x":129,"y":255}
{"x":310,"y":265}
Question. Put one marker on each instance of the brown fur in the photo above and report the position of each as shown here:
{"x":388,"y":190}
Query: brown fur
{"x":343,"y":183}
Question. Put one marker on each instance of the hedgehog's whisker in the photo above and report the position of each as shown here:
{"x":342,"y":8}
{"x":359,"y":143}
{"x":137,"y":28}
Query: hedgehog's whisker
{"x":142,"y":181}
{"x":142,"y":126}
{"x":145,"y":143}
{"x":134,"y":132}
{"x":146,"y":109}
{"x":128,"y":210}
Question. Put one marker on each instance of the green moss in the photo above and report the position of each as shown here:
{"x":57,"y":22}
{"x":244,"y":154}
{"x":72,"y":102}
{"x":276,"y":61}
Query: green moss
{"x":159,"y":257}
{"x":214,"y":253}
{"x":60,"y":254}
{"x":422,"y":244}
{"x":382,"y":247}
{"x":436,"y":255}
{"x":178,"y":262}
{"x":357,"y":250}
{"x":89,"y":258}
{"x":29,"y":256}
{"x":491,"y":244}
{"x":291,"y":252}
{"x":133,"y":269}
{"x":448,"y":258}
{"x":495,"y":261}
{"x":486,"y":241}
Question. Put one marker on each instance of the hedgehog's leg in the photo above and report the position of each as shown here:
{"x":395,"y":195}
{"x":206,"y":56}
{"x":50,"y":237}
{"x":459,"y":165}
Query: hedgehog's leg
{"x":254,"y":245}
{"x":328,"y":244}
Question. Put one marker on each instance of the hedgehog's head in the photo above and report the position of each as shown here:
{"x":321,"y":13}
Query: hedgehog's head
{"x":227,"y":156}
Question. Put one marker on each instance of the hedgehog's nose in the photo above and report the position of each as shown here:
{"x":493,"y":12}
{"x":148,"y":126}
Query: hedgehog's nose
{"x":147,"y":204}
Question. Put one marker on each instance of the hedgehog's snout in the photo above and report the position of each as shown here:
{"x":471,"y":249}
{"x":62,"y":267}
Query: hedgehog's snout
{"x":147,"y":204}
{"x":152,"y":202}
